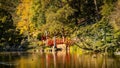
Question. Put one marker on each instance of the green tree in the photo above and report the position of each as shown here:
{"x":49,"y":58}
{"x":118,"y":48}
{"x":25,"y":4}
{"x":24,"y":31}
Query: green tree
{"x":9,"y":35}
{"x":52,"y":16}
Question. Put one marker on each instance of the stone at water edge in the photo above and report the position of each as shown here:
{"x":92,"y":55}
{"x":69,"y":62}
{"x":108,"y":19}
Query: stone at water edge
{"x":117,"y":53}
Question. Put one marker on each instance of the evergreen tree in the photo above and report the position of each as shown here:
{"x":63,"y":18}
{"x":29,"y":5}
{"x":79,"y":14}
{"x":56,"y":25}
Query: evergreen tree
{"x":9,"y":35}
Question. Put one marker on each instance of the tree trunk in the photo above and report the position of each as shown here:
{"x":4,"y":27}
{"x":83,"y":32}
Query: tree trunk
{"x":96,"y":8}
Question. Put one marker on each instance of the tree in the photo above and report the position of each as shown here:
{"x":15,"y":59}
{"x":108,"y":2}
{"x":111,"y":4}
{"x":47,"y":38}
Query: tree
{"x":10,"y":6}
{"x":52,"y":15}
{"x":24,"y":12}
{"x":9,"y":35}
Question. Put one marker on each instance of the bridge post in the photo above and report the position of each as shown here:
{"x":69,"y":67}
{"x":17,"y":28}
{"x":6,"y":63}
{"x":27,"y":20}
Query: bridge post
{"x":46,"y":33}
{"x":63,"y":39}
{"x":54,"y":39}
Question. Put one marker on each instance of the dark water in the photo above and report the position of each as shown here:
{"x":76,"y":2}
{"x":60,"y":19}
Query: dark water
{"x":57,"y":60}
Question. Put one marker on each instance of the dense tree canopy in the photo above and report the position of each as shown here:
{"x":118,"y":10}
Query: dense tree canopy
{"x":92,"y":21}
{"x":9,"y":36}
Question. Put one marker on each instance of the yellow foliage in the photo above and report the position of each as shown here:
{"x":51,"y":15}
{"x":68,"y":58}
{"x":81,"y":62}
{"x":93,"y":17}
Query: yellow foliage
{"x":4,"y":19}
{"x":24,"y":12}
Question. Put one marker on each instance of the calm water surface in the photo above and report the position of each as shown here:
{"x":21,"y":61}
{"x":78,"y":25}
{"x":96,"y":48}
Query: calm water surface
{"x":57,"y":60}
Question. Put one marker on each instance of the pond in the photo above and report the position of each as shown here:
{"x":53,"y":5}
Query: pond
{"x":59,"y":59}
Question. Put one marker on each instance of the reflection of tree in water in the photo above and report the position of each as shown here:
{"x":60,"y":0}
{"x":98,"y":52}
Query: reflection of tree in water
{"x":111,"y":62}
{"x":68,"y":60}
{"x":58,"y":60}
{"x":9,"y":36}
{"x":8,"y":59}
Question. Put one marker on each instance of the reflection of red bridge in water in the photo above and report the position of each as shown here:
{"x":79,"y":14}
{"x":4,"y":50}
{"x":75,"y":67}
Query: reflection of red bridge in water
{"x":53,"y":59}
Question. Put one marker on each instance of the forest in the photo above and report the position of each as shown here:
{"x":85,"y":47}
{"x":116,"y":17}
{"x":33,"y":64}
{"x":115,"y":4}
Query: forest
{"x":92,"y":25}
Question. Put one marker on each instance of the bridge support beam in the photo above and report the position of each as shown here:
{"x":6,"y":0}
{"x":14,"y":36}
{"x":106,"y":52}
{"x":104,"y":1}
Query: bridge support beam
{"x":54,"y":41}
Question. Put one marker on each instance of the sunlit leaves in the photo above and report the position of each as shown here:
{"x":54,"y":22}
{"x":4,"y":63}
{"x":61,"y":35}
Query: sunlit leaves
{"x":52,"y":16}
{"x":115,"y":17}
{"x":24,"y":12}
{"x":106,"y":9}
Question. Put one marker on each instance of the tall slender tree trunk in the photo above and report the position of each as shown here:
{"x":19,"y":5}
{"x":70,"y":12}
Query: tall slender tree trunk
{"x":96,"y":8}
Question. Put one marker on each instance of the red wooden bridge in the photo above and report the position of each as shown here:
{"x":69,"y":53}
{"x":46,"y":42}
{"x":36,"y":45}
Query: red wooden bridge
{"x":50,"y":42}
{"x":60,"y":43}
{"x":66,"y":41}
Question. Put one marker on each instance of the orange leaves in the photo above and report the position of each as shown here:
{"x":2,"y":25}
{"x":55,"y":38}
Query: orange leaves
{"x":50,"y":42}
